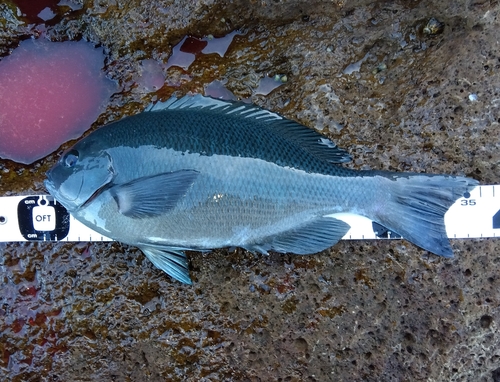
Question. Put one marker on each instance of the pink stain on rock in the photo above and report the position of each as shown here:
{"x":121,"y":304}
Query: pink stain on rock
{"x":50,"y":92}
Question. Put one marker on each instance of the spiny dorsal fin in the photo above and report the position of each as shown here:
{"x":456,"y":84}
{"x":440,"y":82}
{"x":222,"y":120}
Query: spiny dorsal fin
{"x":308,"y":139}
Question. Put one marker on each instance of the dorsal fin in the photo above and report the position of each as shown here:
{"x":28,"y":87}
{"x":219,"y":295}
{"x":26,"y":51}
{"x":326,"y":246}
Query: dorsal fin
{"x":308,"y":139}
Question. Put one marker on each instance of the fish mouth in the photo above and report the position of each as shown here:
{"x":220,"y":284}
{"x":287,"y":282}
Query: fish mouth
{"x":49,"y":186}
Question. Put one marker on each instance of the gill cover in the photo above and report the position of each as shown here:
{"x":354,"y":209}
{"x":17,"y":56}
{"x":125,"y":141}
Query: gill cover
{"x":76,"y":178}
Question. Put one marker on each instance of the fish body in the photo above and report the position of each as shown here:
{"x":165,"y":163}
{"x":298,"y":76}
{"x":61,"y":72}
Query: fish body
{"x":197,"y":174}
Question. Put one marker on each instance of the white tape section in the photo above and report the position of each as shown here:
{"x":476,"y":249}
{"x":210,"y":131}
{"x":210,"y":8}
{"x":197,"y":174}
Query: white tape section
{"x":41,"y":218}
{"x":475,"y":216}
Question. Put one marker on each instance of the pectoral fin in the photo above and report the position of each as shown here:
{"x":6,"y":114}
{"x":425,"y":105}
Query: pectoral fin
{"x":312,"y":237}
{"x":170,"y":261}
{"x":153,"y":195}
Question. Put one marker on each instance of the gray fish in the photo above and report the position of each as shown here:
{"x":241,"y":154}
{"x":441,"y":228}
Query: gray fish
{"x":197,"y":174}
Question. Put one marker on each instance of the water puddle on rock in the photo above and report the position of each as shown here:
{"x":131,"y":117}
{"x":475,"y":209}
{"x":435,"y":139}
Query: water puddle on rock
{"x":191,"y":58}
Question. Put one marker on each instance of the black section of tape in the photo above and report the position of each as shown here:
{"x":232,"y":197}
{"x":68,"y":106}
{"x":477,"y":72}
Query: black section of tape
{"x":496,"y":220}
{"x":52,"y":225}
{"x":384,"y":232}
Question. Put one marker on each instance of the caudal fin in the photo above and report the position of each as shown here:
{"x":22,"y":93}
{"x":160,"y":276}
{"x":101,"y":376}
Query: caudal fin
{"x":415,"y":206}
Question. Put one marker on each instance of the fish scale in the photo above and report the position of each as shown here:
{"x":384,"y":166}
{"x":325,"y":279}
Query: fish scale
{"x":197,"y":173}
{"x":185,"y":131}
{"x":276,"y":200}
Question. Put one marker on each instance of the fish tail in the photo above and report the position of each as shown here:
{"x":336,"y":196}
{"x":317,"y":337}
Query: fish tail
{"x":414,"y":205}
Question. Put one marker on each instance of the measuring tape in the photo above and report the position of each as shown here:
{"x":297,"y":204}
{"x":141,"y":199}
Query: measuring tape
{"x":42,"y":218}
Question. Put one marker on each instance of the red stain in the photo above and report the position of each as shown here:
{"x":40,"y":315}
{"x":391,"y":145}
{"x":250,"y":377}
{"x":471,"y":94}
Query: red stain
{"x":86,"y":252}
{"x":17,"y":325}
{"x":31,"y":9}
{"x":28,"y":360}
{"x":186,"y":51}
{"x":49,"y":93}
{"x":28,"y":291}
{"x":193,"y":45}
{"x":39,"y":319}
{"x":286,"y":286}
{"x":54,"y":313}
{"x":6,"y":357}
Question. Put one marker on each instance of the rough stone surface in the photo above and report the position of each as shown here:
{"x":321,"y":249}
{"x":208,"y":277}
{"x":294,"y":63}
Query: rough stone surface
{"x":360,"y":311}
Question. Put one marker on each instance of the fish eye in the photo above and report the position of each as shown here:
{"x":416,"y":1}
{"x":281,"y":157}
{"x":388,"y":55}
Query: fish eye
{"x":70,"y":158}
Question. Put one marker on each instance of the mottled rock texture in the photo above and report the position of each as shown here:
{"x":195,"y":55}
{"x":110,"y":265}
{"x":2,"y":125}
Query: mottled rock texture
{"x":366,"y":75}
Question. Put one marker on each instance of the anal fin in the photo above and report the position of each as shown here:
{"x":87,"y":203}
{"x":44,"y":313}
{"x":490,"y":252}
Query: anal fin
{"x":311,"y":237}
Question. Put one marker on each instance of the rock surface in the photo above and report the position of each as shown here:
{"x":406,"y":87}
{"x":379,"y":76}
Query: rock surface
{"x":365,"y":74}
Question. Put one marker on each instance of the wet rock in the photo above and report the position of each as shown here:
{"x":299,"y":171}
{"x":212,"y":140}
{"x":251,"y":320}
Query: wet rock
{"x":367,"y":310}
{"x":433,"y":27}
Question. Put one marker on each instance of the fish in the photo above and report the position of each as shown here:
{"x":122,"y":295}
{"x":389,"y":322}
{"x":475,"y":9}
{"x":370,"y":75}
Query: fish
{"x":197,"y":174}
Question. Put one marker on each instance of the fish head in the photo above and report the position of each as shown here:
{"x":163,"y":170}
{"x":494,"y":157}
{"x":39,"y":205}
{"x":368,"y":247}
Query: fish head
{"x":80,"y":174}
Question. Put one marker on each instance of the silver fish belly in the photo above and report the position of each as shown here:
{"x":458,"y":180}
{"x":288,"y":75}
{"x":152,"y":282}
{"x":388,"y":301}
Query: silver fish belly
{"x":197,"y":174}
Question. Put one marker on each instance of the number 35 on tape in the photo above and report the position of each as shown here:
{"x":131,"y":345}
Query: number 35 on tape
{"x":477,"y":214}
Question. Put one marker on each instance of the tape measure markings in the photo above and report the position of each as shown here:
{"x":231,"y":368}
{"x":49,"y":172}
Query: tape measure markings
{"x":41,"y":218}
